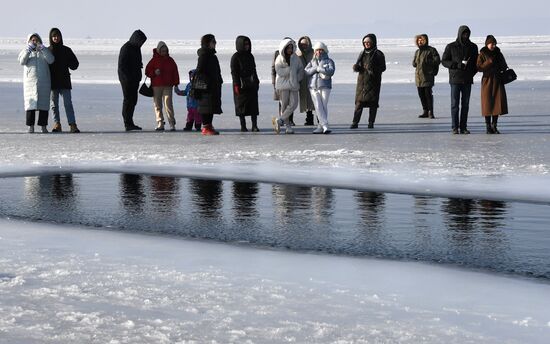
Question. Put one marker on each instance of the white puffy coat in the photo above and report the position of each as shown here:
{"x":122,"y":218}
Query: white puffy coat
{"x":36,"y":77}
{"x":288,"y":76}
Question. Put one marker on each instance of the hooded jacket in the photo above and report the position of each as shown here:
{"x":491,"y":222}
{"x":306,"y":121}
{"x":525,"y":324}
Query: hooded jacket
{"x":426,"y":61}
{"x":65,"y":59}
{"x":320,"y":70}
{"x":290,"y":74}
{"x":245,"y":77}
{"x":455,"y":53}
{"x":208,"y":67}
{"x":36,"y":76}
{"x":169,"y":75}
{"x":129,"y":59}
{"x":370,"y":65}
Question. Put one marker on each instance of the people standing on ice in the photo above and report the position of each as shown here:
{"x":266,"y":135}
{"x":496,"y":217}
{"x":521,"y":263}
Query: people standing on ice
{"x":320,"y":71}
{"x":290,"y":72}
{"x":305,"y":52}
{"x":426,"y":62}
{"x":245,"y":83}
{"x":370,"y":65}
{"x":193,"y":116}
{"x":163,"y":72}
{"x":208,"y":68}
{"x":273,"y":79}
{"x":65,"y":59}
{"x":129,"y":75}
{"x":460,"y":57}
{"x":493,"y":94}
{"x":35,"y":59}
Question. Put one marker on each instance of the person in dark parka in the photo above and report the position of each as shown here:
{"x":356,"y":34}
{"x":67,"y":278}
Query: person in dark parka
{"x":208,"y":67}
{"x":245,"y":83}
{"x":494,"y":102}
{"x":305,"y":52}
{"x":129,"y":75}
{"x":370,"y":65}
{"x":460,"y":57}
{"x":65,"y":59}
{"x":426,"y":62}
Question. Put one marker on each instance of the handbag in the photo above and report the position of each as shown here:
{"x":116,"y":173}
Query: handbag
{"x":508,"y":76}
{"x":145,"y":90}
{"x":198,"y":86}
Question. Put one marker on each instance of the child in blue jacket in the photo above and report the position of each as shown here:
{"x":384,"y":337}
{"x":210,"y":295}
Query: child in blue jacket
{"x":193,"y":115}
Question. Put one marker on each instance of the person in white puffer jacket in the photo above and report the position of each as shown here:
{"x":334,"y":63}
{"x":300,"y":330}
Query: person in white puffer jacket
{"x":35,"y":59}
{"x":289,"y":72}
{"x":320,"y":70}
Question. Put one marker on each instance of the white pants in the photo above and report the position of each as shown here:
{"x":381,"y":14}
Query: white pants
{"x":289,"y":103}
{"x":320,"y":100}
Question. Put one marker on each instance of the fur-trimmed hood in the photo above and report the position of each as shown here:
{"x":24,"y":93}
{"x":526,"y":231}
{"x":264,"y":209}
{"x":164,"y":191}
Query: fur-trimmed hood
{"x":320,"y":45}
{"x":35,"y":35}
{"x":285,"y":43}
{"x":425,"y":36}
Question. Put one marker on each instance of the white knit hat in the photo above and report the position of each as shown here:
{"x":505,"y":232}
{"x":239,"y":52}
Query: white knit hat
{"x":320,"y":45}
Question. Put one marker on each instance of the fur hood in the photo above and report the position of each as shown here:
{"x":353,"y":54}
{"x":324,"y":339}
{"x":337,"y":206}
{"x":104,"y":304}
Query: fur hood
{"x":307,"y":50}
{"x":285,"y":43}
{"x":320,"y":45}
{"x":425,"y":38}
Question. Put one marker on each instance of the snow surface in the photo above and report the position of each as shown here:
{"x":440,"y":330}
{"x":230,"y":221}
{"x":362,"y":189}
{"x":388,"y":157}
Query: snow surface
{"x":65,"y":284}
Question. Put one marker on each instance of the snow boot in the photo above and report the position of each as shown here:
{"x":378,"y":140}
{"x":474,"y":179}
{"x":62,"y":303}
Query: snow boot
{"x":291,"y":120}
{"x":243,"y":124}
{"x":188,"y":126}
{"x":56,"y":128}
{"x":372,"y":117}
{"x":309,"y":118}
{"x":255,"y":124}
{"x":424,"y":114}
{"x":495,"y":121}
{"x":44,"y":129}
{"x":431,"y":115}
{"x":74,"y":128}
{"x":31,"y":129}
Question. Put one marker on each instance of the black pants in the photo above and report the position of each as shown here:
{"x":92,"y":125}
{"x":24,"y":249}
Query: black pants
{"x":426,"y":98}
{"x":42,"y":117}
{"x":488,"y":120}
{"x":207,"y":118}
{"x":359,"y":111}
{"x":130,"y":93}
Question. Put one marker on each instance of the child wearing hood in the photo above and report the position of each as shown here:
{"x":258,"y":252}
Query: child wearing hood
{"x":320,"y":71}
{"x":35,"y":59}
{"x":163,"y":72}
{"x":193,"y":116}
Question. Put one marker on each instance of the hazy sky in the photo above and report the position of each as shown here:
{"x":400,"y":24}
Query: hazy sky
{"x":167,"y":19}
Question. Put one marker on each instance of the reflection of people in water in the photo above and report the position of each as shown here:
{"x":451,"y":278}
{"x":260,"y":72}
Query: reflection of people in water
{"x":492,"y":214}
{"x":207,"y":195}
{"x":132,"y":194}
{"x":322,"y":204}
{"x":54,"y":195}
{"x":244,"y":198}
{"x":371,"y":207}
{"x":165,"y":193}
{"x":287,"y":199}
{"x":459,"y":214}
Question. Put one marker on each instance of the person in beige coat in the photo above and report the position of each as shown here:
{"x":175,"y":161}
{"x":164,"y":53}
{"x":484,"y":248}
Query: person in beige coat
{"x":493,"y":94}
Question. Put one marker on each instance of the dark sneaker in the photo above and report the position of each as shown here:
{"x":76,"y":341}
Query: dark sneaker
{"x":354,"y":126}
{"x":465,"y":131}
{"x":455,"y":131}
{"x":132,"y":127}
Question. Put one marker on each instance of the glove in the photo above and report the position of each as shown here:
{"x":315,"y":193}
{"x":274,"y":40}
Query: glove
{"x":237,"y":89}
{"x":356,"y":68}
{"x":41,"y":47}
{"x":30,"y":47}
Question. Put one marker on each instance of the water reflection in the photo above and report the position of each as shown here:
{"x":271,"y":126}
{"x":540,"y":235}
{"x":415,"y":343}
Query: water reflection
{"x":244,"y":200}
{"x":132,"y":192}
{"x":493,"y":214}
{"x":207,"y":196}
{"x":371,"y":208}
{"x":288,"y":200}
{"x":322,"y":204}
{"x":165,"y":193}
{"x":55,"y":191}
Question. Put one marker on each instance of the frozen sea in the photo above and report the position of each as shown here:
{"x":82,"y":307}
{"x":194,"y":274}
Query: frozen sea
{"x":399,"y":234}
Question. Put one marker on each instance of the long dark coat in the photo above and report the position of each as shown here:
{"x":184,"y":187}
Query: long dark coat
{"x":65,"y":59}
{"x":129,"y":59}
{"x":243,"y":72}
{"x":370,"y":65}
{"x":426,"y":61}
{"x":210,"y":102}
{"x":493,"y":94}
{"x":306,"y":55}
{"x":456,"y":52}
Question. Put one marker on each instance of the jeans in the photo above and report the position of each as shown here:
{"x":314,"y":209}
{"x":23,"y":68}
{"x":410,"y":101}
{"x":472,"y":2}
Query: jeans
{"x":456,"y":91}
{"x":67,"y":103}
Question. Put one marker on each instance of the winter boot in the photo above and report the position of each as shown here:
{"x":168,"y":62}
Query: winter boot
{"x":424,"y":114}
{"x":255,"y":124}
{"x":198,"y":126}
{"x":31,"y":129}
{"x":188,"y":126}
{"x":172,"y":126}
{"x":243,"y":124}
{"x":160,"y":126}
{"x":431,"y":114}
{"x":56,"y":128}
{"x":74,"y":128}
{"x":318,"y":130}
{"x":277,"y":124}
{"x":495,"y":121}
{"x":488,"y":125}
{"x":356,"y":118}
{"x":289,"y":129}
{"x":309,"y":118}
{"x":44,"y":129}
{"x":372,"y":117}
{"x":291,"y":120}
{"x":326,"y":130}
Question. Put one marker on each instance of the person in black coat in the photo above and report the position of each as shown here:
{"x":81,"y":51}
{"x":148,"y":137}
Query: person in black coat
{"x":245,"y":83}
{"x":460,"y":57}
{"x":65,"y":59}
{"x":129,"y":75}
{"x":208,"y":68}
{"x":370,"y":65}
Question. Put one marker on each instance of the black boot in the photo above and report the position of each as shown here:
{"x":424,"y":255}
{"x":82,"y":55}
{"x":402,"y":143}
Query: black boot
{"x":309,"y":118}
{"x":424,"y":114}
{"x":291,"y":120}
{"x":255,"y":128}
{"x":495,"y":121}
{"x":243,"y":124}
{"x":356,"y":118}
{"x":489,"y":125}
{"x":188,"y":126}
{"x":372,"y":116}
{"x":431,"y":114}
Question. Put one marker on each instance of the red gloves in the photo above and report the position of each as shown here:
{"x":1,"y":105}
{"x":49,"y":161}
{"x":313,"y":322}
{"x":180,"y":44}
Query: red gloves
{"x":237,"y":89}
